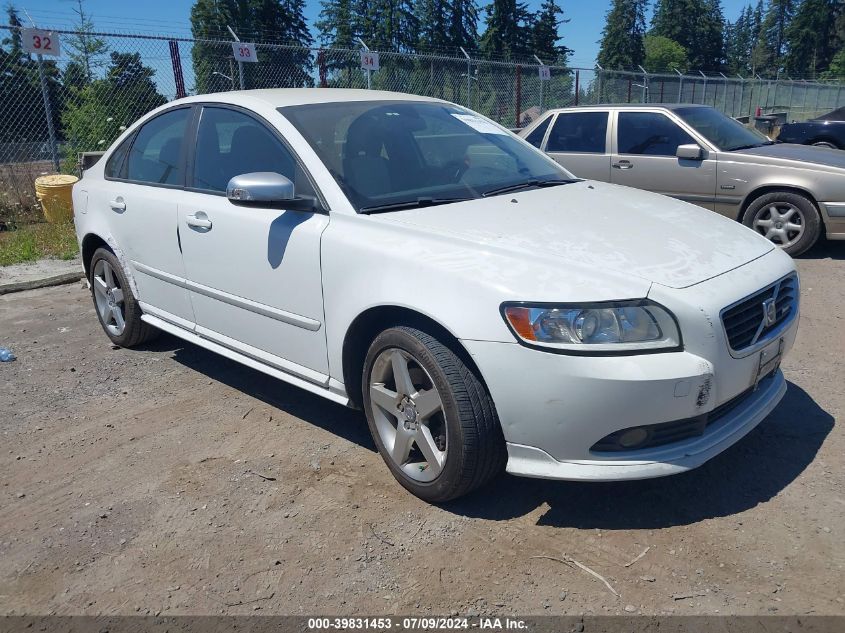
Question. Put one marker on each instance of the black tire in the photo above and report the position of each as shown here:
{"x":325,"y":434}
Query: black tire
{"x":808,"y":212}
{"x":135,"y":331}
{"x":476,"y":448}
{"x":827,"y":144}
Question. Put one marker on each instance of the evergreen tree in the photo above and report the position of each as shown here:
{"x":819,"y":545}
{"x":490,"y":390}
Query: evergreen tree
{"x":336,"y":25}
{"x":811,"y":38}
{"x":388,"y":25}
{"x":770,"y":48}
{"x":508,"y":31}
{"x":739,"y":40}
{"x":463,"y":25}
{"x":696,"y":25}
{"x":433,"y":16}
{"x":545,"y":35}
{"x":622,"y":36}
{"x":278,"y":22}
{"x":87,"y":52}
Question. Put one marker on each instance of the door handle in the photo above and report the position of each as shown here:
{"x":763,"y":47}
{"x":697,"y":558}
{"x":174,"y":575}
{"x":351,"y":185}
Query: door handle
{"x":117,"y":204}
{"x":623,"y":164}
{"x":199,"y":220}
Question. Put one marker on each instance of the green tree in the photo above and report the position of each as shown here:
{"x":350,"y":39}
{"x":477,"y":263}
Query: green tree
{"x":508,"y":30}
{"x":95,"y":115}
{"x":545,"y":36}
{"x":388,"y":25}
{"x":23,"y":128}
{"x":663,"y":54}
{"x":697,"y":25}
{"x":336,"y":25}
{"x":463,"y":25}
{"x":87,"y":51}
{"x":277,"y":22}
{"x":811,"y":39}
{"x":770,"y":49}
{"x":739,"y":42}
{"x":837,"y":66}
{"x":622,"y":37}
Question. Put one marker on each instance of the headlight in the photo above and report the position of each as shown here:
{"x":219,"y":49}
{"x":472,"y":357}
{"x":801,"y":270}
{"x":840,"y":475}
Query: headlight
{"x":611,"y":328}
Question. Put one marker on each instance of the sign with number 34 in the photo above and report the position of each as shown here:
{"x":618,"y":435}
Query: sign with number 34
{"x":40,"y":42}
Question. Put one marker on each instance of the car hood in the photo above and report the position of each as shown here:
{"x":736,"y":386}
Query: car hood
{"x":601,"y":227}
{"x":802,"y":153}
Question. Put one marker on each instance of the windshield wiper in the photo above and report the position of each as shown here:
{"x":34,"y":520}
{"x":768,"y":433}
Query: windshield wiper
{"x":751,"y":145}
{"x":410,"y":204}
{"x":529,"y":184}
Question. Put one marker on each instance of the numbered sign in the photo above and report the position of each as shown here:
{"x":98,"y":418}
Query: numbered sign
{"x":40,"y":42}
{"x":244,"y":52}
{"x":369,"y":60}
{"x":545,"y":73}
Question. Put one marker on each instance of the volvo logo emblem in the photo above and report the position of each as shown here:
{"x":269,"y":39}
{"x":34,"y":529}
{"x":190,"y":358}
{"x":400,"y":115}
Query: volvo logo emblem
{"x":770,"y":312}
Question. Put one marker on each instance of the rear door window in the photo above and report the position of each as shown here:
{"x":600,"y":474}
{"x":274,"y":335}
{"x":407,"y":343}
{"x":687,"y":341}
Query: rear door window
{"x":157,"y":153}
{"x":584,"y":132}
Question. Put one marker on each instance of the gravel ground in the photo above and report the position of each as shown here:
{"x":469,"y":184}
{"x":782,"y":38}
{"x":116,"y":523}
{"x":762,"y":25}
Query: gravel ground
{"x":169,"y":480}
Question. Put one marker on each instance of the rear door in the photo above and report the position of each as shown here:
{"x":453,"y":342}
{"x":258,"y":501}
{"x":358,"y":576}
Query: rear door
{"x":253,"y":272}
{"x":144,"y":178}
{"x":579,"y":142}
{"x":644,"y":157}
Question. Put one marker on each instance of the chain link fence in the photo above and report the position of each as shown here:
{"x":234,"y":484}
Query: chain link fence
{"x":53,"y":109}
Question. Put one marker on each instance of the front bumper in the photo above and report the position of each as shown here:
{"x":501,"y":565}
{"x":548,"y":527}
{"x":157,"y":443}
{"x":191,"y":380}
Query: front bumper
{"x":553,"y":408}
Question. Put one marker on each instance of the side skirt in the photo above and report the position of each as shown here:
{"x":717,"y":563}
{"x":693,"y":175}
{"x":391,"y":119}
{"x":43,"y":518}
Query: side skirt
{"x":191,"y":337}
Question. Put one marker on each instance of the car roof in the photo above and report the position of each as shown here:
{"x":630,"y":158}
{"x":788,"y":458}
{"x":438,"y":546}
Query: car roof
{"x":633,"y":106}
{"x":281,"y":97}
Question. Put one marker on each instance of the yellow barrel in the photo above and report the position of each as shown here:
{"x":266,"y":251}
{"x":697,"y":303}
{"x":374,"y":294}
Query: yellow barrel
{"x":54,"y":194}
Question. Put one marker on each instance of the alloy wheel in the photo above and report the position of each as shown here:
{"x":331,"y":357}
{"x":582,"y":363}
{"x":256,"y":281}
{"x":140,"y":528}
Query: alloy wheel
{"x":109,"y":298}
{"x":409,"y":415}
{"x":780,"y":222}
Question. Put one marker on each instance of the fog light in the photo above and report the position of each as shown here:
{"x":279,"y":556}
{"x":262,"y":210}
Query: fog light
{"x":633,"y":437}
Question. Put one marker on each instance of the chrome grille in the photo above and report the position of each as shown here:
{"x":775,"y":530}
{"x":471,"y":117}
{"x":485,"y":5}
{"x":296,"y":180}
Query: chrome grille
{"x":756,"y":317}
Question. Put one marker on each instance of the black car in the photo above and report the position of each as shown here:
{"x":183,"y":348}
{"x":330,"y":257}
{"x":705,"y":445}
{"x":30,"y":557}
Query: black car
{"x":827,"y":130}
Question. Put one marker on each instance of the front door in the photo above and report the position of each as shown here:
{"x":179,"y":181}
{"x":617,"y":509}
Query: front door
{"x":644,"y":157}
{"x":253,"y":273}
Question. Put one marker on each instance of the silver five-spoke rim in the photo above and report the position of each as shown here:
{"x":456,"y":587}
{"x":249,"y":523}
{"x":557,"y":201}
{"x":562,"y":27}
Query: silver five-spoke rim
{"x":781,"y":222}
{"x":109,"y":297}
{"x":408,"y":415}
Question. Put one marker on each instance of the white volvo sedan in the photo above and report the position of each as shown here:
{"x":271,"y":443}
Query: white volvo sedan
{"x":405,"y":255}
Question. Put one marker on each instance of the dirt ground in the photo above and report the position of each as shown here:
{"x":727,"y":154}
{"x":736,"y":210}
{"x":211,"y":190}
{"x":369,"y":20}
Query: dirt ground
{"x":169,"y":480}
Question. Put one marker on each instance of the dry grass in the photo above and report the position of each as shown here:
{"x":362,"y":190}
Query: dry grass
{"x":31,"y":242}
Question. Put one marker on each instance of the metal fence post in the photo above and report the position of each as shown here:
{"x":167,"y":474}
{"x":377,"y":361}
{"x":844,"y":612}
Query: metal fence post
{"x":598,"y":80}
{"x":680,"y":85}
{"x":369,"y":77}
{"x":646,"y":97}
{"x":741,"y":92}
{"x":176,"y":60}
{"x":48,"y":111}
{"x":541,"y":85}
{"x":469,"y":77}
{"x":518,"y":88}
{"x":240,"y":63}
{"x":577,"y":84}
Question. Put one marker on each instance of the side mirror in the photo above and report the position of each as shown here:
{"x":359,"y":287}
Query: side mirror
{"x":689,"y":152}
{"x":267,"y":189}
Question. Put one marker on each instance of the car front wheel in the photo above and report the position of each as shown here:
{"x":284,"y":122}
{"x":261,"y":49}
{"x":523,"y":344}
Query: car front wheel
{"x":430,"y":416}
{"x":788,"y":219}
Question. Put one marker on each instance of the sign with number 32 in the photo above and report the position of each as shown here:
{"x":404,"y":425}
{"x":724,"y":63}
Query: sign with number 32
{"x":40,"y":42}
{"x":244,"y":51}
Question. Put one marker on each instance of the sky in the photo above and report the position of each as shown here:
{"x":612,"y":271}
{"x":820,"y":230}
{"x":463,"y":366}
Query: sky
{"x":171,"y":17}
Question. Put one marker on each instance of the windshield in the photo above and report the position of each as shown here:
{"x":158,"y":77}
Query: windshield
{"x":388,"y":155}
{"x":724,"y":132}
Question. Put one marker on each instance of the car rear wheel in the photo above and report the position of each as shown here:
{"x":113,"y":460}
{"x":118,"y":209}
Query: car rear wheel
{"x":430,"y":416}
{"x":825,"y":144}
{"x":116,"y":307}
{"x":788,"y":219}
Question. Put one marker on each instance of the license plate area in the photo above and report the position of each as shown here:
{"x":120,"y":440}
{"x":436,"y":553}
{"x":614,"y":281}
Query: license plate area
{"x":769,"y":361}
